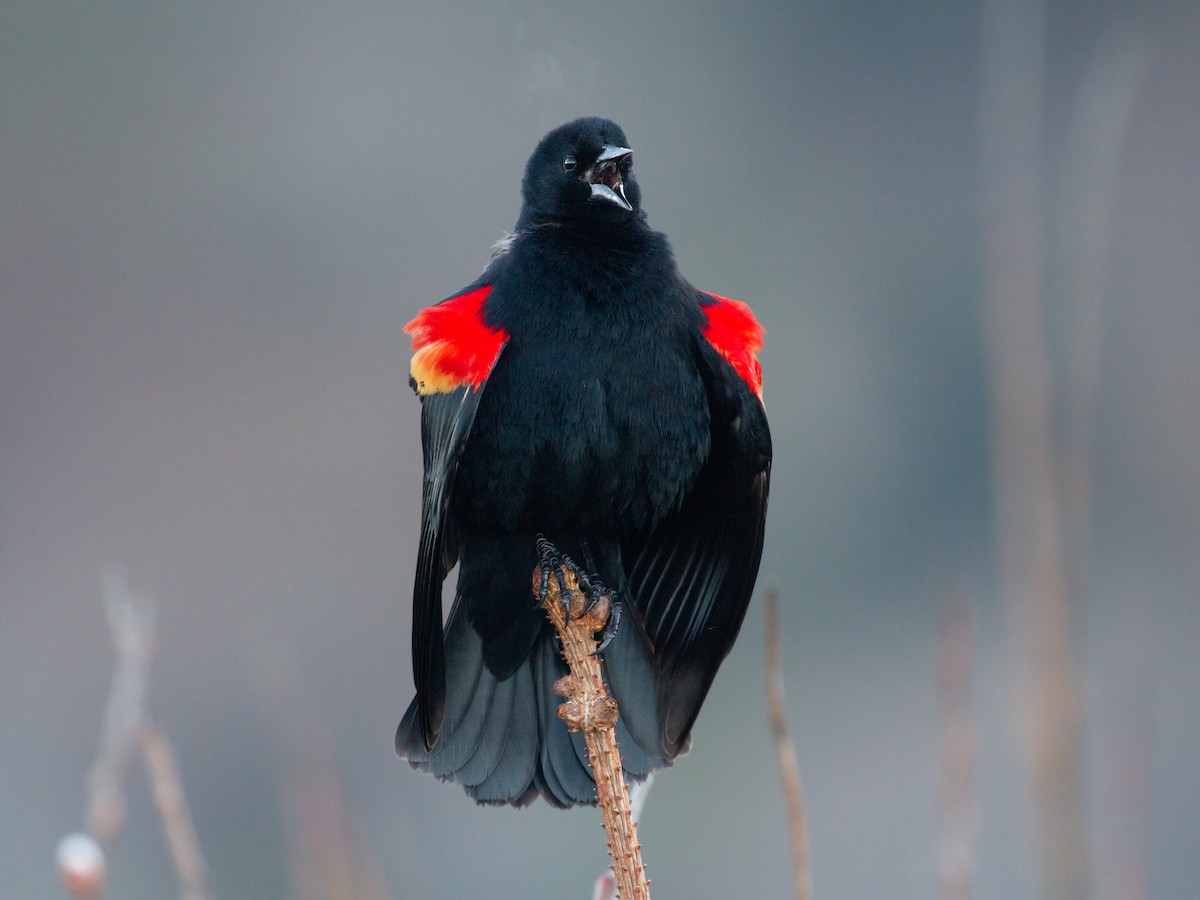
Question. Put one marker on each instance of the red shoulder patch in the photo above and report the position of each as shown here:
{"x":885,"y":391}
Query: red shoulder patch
{"x":452,"y":344}
{"x":736,"y":335}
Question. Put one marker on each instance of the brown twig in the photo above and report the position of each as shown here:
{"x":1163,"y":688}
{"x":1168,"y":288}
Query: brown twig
{"x":328,"y":857}
{"x":956,"y":773}
{"x":128,"y":729}
{"x":1025,"y":458}
{"x":163,"y":772}
{"x":1087,"y":214}
{"x":605,"y":887}
{"x":789,"y":768}
{"x":589,"y":709}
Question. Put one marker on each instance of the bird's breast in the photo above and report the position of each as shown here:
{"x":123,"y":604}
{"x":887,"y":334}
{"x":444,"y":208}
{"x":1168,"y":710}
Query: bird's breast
{"x":590,"y":436}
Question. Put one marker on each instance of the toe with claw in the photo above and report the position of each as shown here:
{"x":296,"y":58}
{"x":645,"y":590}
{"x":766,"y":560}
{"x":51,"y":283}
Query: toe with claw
{"x":613,"y":623}
{"x":601,"y":606}
{"x":549,"y":563}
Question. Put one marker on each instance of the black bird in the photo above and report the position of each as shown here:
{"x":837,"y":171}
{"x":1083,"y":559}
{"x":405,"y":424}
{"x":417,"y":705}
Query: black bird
{"x":580,"y":389}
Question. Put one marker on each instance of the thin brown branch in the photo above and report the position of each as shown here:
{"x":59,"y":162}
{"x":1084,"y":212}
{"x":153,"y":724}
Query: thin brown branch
{"x":131,"y":621}
{"x":1025,"y":460}
{"x":956,"y":773}
{"x":789,"y":768}
{"x":128,"y":730}
{"x":328,"y":857}
{"x":1099,"y":131}
{"x":591,"y":710}
{"x":163,"y":772}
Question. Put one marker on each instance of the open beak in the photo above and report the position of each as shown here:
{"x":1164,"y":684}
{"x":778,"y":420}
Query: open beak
{"x":605,"y":176}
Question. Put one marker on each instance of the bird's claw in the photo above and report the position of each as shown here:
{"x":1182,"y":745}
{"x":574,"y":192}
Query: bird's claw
{"x":614,"y":620}
{"x":551,"y":564}
{"x":548,"y":562}
{"x":595,"y":592}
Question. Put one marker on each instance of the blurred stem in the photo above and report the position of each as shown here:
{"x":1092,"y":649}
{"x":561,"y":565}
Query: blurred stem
{"x":956,"y":773}
{"x":1025,"y":469}
{"x":129,"y":728}
{"x":171,"y":801}
{"x":1095,"y":140}
{"x":131,"y":621}
{"x":328,"y":855}
{"x":789,"y":767}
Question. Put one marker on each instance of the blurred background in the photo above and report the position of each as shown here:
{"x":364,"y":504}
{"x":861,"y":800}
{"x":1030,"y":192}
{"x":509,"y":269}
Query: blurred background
{"x":972,"y":231}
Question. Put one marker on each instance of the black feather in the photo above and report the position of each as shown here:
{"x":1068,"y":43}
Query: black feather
{"x":610,"y":424}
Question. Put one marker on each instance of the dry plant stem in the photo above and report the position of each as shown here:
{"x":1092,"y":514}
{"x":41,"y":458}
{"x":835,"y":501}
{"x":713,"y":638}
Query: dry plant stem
{"x":327,"y":857}
{"x":589,"y":709}
{"x":1107,"y":97}
{"x":1025,"y":458}
{"x":172,"y":806}
{"x":956,"y":773}
{"x":131,"y":623}
{"x":130,"y":729}
{"x":789,"y":768}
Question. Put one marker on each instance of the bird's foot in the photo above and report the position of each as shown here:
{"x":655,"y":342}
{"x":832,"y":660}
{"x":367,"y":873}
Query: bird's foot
{"x":551,"y":564}
{"x":599,"y":602}
{"x":597,"y":594}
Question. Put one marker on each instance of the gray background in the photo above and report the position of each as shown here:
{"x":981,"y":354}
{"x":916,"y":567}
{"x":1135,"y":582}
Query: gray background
{"x":216,"y":217}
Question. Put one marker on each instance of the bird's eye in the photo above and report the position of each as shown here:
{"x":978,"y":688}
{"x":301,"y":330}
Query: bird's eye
{"x":569,"y":164}
{"x":625,"y":165}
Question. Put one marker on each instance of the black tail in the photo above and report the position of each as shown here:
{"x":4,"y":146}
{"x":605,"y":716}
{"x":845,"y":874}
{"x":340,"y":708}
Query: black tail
{"x":501,"y":737}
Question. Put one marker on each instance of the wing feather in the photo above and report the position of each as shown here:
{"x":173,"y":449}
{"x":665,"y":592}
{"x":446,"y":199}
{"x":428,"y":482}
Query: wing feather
{"x":450,"y":392}
{"x":693,"y":575}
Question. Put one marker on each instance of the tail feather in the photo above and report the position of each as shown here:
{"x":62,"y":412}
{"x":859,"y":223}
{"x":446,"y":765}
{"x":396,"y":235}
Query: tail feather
{"x":635,"y":762}
{"x":568,"y":778}
{"x":492,"y":738}
{"x":629,"y":670}
{"x":501,"y":737}
{"x":469,"y":691}
{"x":511,"y":779}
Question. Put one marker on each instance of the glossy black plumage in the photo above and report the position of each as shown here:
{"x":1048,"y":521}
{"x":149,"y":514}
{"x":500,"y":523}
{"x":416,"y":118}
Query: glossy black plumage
{"x":611,"y":424}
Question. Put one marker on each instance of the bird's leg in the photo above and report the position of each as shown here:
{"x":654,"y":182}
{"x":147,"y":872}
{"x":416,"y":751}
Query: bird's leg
{"x":551,"y":563}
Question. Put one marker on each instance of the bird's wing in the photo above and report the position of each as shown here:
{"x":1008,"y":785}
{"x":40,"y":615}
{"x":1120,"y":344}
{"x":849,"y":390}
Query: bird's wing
{"x":692,"y":576}
{"x":455,"y":352}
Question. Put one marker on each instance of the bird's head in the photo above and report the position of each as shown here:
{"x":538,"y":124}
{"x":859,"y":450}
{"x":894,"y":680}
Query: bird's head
{"x":582,"y":171}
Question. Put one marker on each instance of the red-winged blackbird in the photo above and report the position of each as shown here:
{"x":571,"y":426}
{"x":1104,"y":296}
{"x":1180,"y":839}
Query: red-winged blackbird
{"x":580,"y":389}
